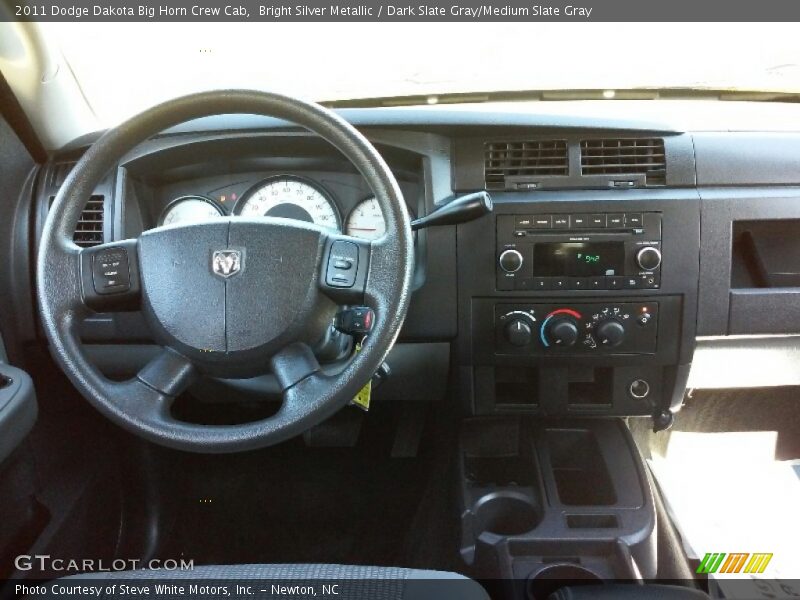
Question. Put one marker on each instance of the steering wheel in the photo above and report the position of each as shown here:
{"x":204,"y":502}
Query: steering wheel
{"x":232,"y":297}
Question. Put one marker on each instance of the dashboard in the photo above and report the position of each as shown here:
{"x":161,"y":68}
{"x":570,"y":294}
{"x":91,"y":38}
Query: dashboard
{"x":614,"y":245}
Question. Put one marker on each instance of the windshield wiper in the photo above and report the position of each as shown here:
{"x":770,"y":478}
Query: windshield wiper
{"x":675,"y":93}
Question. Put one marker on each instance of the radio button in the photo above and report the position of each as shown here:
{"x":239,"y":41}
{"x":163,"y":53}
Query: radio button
{"x":558,"y":283}
{"x":523,"y":222}
{"x":542,"y":221}
{"x":631,"y":283}
{"x":598,"y":283}
{"x":597,"y":221}
{"x":523,"y":284}
{"x":580,"y":221}
{"x":633,"y":219}
{"x":541,"y":284}
{"x":616,"y":283}
{"x":580,"y":283}
{"x":560,"y":221}
{"x":617,"y":220}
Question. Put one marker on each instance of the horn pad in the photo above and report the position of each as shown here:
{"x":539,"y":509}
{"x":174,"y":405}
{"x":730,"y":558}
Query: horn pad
{"x":231,"y":292}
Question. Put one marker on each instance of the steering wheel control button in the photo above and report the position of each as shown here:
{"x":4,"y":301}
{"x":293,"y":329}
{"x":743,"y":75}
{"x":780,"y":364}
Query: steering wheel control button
{"x":342,"y":265}
{"x":110,"y":271}
{"x":511,"y":261}
{"x":356,"y":320}
{"x":639,"y":389}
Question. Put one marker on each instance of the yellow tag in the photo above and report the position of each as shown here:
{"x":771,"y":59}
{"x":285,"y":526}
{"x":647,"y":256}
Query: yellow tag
{"x":363,"y":396}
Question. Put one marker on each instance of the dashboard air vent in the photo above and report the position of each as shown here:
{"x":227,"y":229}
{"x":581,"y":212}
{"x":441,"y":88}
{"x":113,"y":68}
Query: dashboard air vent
{"x":625,"y":157}
{"x":522,"y":164}
{"x":89,"y":230}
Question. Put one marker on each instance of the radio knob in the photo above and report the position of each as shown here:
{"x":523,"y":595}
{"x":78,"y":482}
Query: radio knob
{"x":518,"y":333}
{"x":610,"y":333}
{"x":648,"y":258}
{"x":562,"y":332}
{"x":511,"y":261}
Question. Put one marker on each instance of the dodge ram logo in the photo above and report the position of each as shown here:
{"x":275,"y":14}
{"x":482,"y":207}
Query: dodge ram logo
{"x":226,"y":263}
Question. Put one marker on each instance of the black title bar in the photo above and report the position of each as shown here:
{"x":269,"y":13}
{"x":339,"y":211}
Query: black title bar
{"x":381,"y":10}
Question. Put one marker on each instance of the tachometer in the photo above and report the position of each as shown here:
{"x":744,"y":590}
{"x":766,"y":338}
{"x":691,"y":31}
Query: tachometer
{"x":189,"y":209}
{"x":366,"y":220}
{"x":291,"y":198}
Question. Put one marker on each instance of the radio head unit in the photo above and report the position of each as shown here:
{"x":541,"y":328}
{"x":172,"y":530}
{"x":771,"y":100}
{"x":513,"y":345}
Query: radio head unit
{"x":563,"y":252}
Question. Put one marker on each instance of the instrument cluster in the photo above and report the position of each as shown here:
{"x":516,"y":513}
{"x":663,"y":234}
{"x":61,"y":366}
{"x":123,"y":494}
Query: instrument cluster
{"x":286,"y":196}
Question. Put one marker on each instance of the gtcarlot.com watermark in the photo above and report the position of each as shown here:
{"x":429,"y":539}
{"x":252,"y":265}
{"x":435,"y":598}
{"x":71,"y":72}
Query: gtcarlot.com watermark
{"x":47,"y":563}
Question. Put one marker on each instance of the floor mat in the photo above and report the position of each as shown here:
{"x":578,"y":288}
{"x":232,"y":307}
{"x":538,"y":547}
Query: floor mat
{"x":293,"y":503}
{"x":730,"y":499}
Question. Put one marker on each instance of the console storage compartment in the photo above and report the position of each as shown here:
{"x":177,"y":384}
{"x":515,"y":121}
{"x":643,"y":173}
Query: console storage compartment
{"x":553,"y":499}
{"x":580,"y":474}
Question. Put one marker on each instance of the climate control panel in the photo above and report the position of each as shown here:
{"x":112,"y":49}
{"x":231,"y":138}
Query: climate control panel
{"x":576,"y":328}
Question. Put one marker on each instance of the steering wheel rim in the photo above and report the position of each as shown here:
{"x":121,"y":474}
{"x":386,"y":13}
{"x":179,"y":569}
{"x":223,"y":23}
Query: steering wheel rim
{"x":142,"y":404}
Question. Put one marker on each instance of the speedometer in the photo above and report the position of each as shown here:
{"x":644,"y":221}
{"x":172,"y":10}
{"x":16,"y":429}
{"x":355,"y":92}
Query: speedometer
{"x":366,"y":220}
{"x":291,"y":198}
{"x":189,"y":209}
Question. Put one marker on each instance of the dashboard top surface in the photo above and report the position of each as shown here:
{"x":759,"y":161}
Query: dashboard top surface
{"x":668,"y":116}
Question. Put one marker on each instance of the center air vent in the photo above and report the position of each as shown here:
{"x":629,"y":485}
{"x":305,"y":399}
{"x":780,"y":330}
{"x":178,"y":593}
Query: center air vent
{"x":625,"y":157}
{"x":89,"y":230}
{"x":522,"y":165}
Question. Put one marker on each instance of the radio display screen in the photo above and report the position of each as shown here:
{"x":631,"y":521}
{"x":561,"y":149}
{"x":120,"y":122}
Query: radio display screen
{"x":578,"y":259}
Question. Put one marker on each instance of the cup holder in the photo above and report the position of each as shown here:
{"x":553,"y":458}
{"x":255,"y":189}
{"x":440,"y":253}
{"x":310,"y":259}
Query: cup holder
{"x":506,"y":513}
{"x":554,"y":577}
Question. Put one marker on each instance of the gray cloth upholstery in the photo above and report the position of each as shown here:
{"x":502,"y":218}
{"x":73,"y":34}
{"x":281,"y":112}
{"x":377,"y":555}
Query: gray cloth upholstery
{"x":628,"y":592}
{"x":355,"y":582}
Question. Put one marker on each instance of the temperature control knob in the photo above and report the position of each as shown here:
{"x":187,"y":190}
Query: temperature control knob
{"x":562,"y":331}
{"x":518,"y":332}
{"x":511,"y":261}
{"x":610,"y":333}
{"x":648,"y":258}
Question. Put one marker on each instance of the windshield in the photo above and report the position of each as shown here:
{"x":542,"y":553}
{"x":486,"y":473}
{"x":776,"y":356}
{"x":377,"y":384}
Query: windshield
{"x":124,"y":68}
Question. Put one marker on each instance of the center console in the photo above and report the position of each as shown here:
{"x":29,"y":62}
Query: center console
{"x":579,"y":303}
{"x":573,"y":305}
{"x":546,"y":504}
